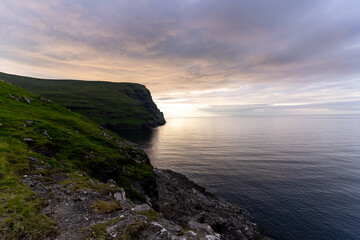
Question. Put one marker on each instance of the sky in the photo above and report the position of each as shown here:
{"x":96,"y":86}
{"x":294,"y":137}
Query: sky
{"x":197,"y":57}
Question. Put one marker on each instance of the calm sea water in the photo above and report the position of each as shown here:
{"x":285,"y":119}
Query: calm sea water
{"x":298,"y":177}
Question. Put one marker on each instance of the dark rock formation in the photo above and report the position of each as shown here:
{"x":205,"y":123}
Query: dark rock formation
{"x":190,"y":206}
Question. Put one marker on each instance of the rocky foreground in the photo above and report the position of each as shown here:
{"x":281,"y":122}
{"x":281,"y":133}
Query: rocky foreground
{"x":102,"y":211}
{"x":189,"y":205}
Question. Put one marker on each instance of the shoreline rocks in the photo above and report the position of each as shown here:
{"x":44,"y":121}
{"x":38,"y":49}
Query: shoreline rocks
{"x":190,"y":206}
{"x":185,"y":210}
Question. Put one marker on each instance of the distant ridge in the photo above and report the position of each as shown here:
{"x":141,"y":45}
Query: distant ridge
{"x":113,"y":105}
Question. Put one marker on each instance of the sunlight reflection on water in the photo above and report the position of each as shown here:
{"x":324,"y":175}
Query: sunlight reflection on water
{"x":299,"y":177}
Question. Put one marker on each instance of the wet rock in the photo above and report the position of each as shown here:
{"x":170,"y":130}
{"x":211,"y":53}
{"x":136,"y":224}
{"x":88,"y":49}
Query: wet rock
{"x":28,"y":140}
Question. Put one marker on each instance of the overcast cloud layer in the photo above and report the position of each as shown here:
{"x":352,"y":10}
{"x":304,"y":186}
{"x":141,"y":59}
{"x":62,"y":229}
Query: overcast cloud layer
{"x":197,"y":57}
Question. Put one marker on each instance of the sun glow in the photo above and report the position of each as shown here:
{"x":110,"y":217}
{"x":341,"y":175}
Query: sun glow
{"x":175,"y":109}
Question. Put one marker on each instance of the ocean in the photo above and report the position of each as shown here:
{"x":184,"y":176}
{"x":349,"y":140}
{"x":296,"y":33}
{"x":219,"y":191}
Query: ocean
{"x":298,"y":177}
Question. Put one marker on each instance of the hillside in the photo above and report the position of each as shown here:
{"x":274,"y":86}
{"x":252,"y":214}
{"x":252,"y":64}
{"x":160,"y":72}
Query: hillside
{"x":64,"y":177}
{"x":112,"y":105}
{"x":42,"y":142}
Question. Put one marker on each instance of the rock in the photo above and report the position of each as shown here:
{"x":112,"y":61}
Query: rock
{"x":45,"y":100}
{"x":28,"y":100}
{"x":200,"y":227}
{"x":45,"y":133}
{"x":111,"y":181}
{"x":120,"y":196}
{"x":30,"y":122}
{"x":114,"y":230}
{"x":32,"y":160}
{"x":212,"y":237}
{"x":28,"y":140}
{"x":0,"y":124}
{"x":140,"y":208}
{"x":190,"y":206}
{"x":13,"y":97}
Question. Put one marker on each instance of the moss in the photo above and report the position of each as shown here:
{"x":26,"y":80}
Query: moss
{"x":78,"y":182}
{"x":185,"y":230}
{"x":105,"y":206}
{"x":131,"y":193}
{"x":133,"y":231}
{"x":98,"y":231}
{"x":150,"y":214}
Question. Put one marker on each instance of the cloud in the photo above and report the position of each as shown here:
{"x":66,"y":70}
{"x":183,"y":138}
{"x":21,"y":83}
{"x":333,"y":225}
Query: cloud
{"x":350,"y":107}
{"x":186,"y":46}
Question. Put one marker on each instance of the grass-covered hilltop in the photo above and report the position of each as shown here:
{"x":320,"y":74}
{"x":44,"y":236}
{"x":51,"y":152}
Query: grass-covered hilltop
{"x":111,"y":105}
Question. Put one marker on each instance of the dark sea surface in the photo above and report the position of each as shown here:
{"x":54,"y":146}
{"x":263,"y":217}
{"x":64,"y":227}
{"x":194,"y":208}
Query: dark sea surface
{"x":298,"y":177}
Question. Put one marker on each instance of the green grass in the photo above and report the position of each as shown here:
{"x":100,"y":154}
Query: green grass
{"x":106,"y":206}
{"x":78,"y":182}
{"x":74,"y":144}
{"x":98,"y":231}
{"x":150,"y":214}
{"x":20,"y":209}
{"x":112,"y":105}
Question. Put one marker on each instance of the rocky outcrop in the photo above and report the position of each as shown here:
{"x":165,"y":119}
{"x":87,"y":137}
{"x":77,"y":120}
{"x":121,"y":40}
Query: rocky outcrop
{"x":190,"y":206}
{"x":89,"y":209}
{"x":176,"y":208}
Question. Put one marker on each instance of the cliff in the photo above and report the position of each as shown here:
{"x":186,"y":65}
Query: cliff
{"x":62,"y":176}
{"x":112,"y":105}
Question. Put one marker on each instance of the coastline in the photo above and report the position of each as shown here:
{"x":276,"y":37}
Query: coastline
{"x":190,"y":205}
{"x":184,"y":210}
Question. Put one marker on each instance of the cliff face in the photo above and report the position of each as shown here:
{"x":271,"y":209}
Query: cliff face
{"x":113,"y":105}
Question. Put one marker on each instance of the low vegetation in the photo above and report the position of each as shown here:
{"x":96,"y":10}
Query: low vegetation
{"x":150,"y":214}
{"x":34,"y":127}
{"x":106,"y":206}
{"x":112,"y":105}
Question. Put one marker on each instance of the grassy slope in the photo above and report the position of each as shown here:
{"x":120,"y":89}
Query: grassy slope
{"x":113,"y":105}
{"x":74,"y":143}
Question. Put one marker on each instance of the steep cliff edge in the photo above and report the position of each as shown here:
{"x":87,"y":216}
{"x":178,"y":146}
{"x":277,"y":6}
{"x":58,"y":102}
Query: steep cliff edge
{"x":112,"y":105}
